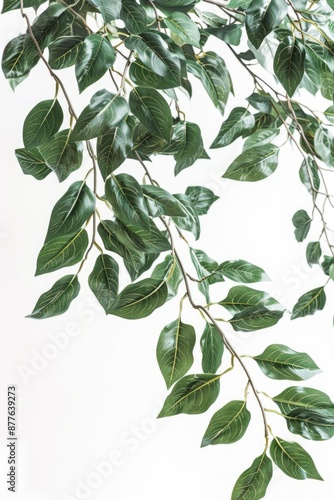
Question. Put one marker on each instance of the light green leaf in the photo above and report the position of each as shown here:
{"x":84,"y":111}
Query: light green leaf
{"x":96,"y":55}
{"x":133,"y":16}
{"x":309,"y":175}
{"x":152,"y":111}
{"x":58,"y":299}
{"x":103,"y":280}
{"x":293,"y":460}
{"x":309,"y":303}
{"x":253,"y":165}
{"x":140,"y":299}
{"x":242,"y":271}
{"x":62,"y":251}
{"x":113,"y":148}
{"x":41,"y":123}
{"x":201,"y":198}
{"x":228,"y":424}
{"x":212,"y":346}
{"x":260,"y":138}
{"x":32,"y":163}
{"x":253,"y":483}
{"x":238,"y":124}
{"x":324,"y":145}
{"x":280,"y":362}
{"x":61,"y":154}
{"x":161,"y":202}
{"x":313,"y":252}
{"x":175,"y":350}
{"x":262,"y":16}
{"x":71,"y":211}
{"x":184,"y":27}
{"x":127,"y":199}
{"x":104,"y":113}
{"x":192,"y":394}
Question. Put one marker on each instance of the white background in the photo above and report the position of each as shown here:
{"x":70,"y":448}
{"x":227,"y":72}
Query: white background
{"x":90,"y":403}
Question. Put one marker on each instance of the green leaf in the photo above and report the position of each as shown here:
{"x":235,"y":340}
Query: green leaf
{"x":192,"y":394}
{"x":309,"y":303}
{"x":234,"y":4}
{"x":228,"y":424}
{"x":161,"y":202}
{"x":41,"y":123}
{"x":253,"y":483}
{"x":19,"y":57}
{"x":308,"y":412}
{"x":104,"y":112}
{"x":62,"y":251}
{"x":205,"y":267}
{"x":61,"y":154}
{"x":95,"y":57}
{"x":184,"y":27}
{"x":9,"y":5}
{"x":302,"y":223}
{"x":140,"y":299}
{"x":242,"y":271}
{"x":169,"y":270}
{"x":255,"y":164}
{"x":212,"y":346}
{"x":71,"y":211}
{"x":58,"y":299}
{"x":191,"y":221}
{"x":143,"y":76}
{"x":201,"y":198}
{"x":280,"y":362}
{"x":155,"y":53}
{"x":239,"y":123}
{"x":113,"y":148}
{"x":293,"y":460}
{"x":262,"y":16}
{"x":152,"y":111}
{"x":230,"y":34}
{"x":103,"y":280}
{"x":255,"y":318}
{"x":289,"y":63}
{"x":313,"y":252}
{"x":261,"y":102}
{"x":213,"y":73}
{"x":175,"y":350}
{"x":240,"y":298}
{"x":127,"y":199}
{"x":109,"y":10}
{"x":32,"y":163}
{"x":190,"y":146}
{"x":324,"y":145}
{"x":309,"y":175}
{"x":133,"y":16}
{"x":260,"y":138}
{"x":64,"y":51}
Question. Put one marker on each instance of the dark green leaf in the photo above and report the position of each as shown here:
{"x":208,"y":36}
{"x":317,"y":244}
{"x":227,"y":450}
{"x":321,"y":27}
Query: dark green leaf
{"x":192,"y":394}
{"x":96,"y":56}
{"x":253,"y":483}
{"x":241,"y":297}
{"x":324,"y":145}
{"x":32,"y":163}
{"x":242,"y":271}
{"x":309,"y":303}
{"x":255,"y":164}
{"x":143,"y":76}
{"x":239,"y":123}
{"x":64,"y":51}
{"x":184,"y":27}
{"x":169,"y":270}
{"x":41,"y":123}
{"x":103,"y":280}
{"x":280,"y":362}
{"x":72,"y":210}
{"x":58,"y":299}
{"x":228,"y":424}
{"x":127,"y":199}
{"x":109,"y":10}
{"x":133,"y":16}
{"x":205,"y":267}
{"x":201,"y":198}
{"x":175,"y":350}
{"x":261,"y":102}
{"x":154,"y":52}
{"x":230,"y":34}
{"x":212,"y":346}
{"x":152,"y":111}
{"x":19,"y":57}
{"x":260,"y":138}
{"x":309,"y":175}
{"x":262,"y":16}
{"x":289,"y":63}
{"x":191,"y":221}
{"x":313,"y":252}
{"x":62,"y":251}
{"x":62,"y":155}
{"x":190,"y":146}
{"x":104,"y":113}
{"x":113,"y":148}
{"x":140,"y":299}
{"x":161,"y":202}
{"x":293,"y":460}
{"x":9,"y":5}
{"x":255,"y":318}
{"x":302,"y":223}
